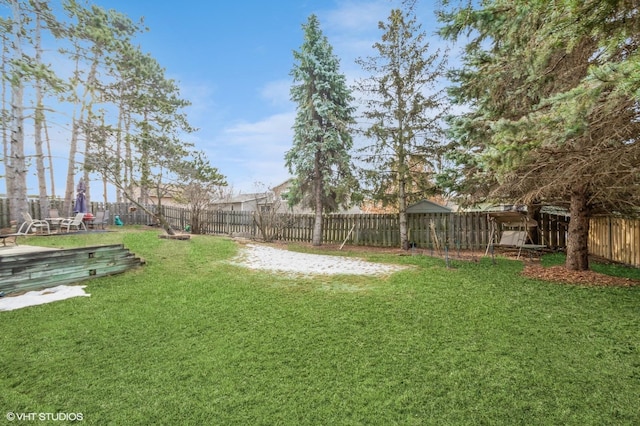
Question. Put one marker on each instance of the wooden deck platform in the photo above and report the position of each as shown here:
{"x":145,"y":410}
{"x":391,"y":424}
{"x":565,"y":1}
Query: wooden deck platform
{"x":15,"y":249}
{"x":24,"y":268}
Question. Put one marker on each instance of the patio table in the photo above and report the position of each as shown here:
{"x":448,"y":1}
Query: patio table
{"x":54,"y":222}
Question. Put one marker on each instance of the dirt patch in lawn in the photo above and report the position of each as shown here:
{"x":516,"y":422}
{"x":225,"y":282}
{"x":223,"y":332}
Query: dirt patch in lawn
{"x":560,"y":274}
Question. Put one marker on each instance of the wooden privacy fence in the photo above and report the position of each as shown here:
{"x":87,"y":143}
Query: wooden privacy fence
{"x":613,"y":238}
{"x":616,"y":239}
{"x":461,"y":230}
{"x":425,"y":230}
{"x":465,"y":231}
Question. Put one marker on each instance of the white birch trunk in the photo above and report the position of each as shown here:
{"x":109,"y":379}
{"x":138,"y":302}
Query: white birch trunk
{"x":17,"y":169}
{"x":38,"y":123}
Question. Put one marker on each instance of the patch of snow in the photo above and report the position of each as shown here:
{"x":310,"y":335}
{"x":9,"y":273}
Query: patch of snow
{"x":278,"y":260}
{"x":40,"y":297}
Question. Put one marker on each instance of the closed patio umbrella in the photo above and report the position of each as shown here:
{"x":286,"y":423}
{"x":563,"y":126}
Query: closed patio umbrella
{"x":81,"y":202}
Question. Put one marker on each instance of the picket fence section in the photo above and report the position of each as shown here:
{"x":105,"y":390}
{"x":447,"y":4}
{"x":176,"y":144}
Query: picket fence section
{"x":613,"y":238}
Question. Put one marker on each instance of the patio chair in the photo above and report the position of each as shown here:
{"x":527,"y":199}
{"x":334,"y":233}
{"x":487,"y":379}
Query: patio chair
{"x":101,"y":218}
{"x":517,"y":236}
{"x":30,"y":224}
{"x":512,"y":238}
{"x":76,"y":221}
{"x":518,"y":240}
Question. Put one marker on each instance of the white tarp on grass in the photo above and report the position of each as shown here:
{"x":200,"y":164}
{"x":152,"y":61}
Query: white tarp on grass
{"x":40,"y":297}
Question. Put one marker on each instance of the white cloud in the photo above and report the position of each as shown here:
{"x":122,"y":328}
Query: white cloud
{"x":201,"y":96}
{"x":277,"y":92}
{"x":274,"y":128}
{"x":251,"y":152}
{"x":352,"y":27}
{"x":357,"y":16}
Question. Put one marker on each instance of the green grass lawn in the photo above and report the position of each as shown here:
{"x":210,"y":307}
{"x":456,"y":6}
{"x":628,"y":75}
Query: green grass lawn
{"x":192,"y":339}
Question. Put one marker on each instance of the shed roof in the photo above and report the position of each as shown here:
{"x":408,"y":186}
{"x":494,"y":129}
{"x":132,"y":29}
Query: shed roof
{"x":426,"y":206}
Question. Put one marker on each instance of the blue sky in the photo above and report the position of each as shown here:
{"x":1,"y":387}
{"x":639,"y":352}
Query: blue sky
{"x":232,"y":60}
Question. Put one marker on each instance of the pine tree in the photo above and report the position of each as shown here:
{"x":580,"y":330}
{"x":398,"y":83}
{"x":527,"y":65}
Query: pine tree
{"x":554,"y":91}
{"x":45,"y":81}
{"x":319,"y":158}
{"x":404,"y":110}
{"x":96,"y":36}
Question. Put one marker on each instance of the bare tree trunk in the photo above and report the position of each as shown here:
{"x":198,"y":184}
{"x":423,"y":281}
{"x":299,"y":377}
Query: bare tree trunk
{"x":17,"y":168}
{"x":87,"y":143}
{"x":402,"y":211}
{"x":103,"y":142}
{"x":128,"y":160}
{"x":50,"y":157}
{"x":5,"y":113}
{"x":577,"y":244}
{"x":38,"y":123}
{"x":118,"y":150}
{"x":89,"y":127}
{"x":317,"y":193}
{"x":104,"y":192}
{"x":145,"y":170}
{"x":402,"y":187}
{"x":76,"y":128}
{"x":42,"y":178}
{"x":71,"y":168}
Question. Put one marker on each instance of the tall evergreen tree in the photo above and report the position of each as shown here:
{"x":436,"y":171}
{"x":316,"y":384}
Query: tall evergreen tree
{"x":30,"y":19}
{"x":319,"y":158}
{"x":160,"y":162}
{"x":95,"y":35}
{"x":45,"y":81}
{"x":150,"y":108}
{"x":554,"y":91}
{"x":404,"y":110}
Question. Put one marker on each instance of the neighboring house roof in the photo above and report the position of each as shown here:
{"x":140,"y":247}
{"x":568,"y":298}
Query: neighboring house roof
{"x":426,"y":206}
{"x":284,"y":186}
{"x":489,"y":207}
{"x":242,"y":198}
{"x":272,"y":198}
{"x":243,"y":202}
